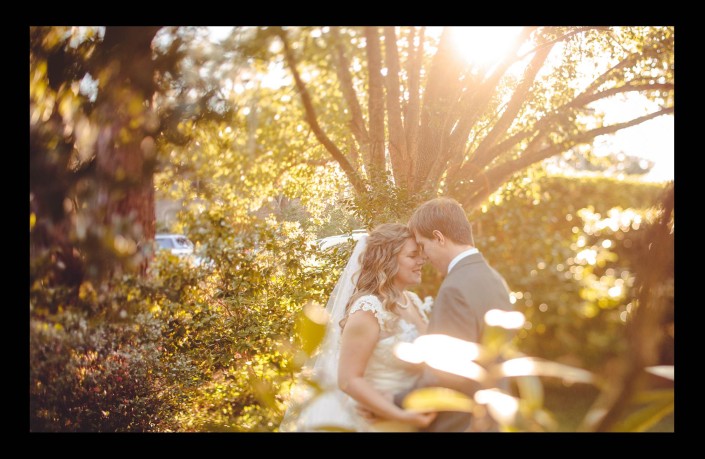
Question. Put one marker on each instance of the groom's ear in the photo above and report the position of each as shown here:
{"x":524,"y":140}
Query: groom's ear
{"x":439,"y":236}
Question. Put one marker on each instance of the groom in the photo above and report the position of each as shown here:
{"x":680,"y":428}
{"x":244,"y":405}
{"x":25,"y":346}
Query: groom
{"x":471,"y":287}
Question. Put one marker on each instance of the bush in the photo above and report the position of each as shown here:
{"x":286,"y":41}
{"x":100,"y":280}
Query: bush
{"x":236,"y":323}
{"x":209,"y":348}
{"x":88,"y":374}
{"x":564,"y":246}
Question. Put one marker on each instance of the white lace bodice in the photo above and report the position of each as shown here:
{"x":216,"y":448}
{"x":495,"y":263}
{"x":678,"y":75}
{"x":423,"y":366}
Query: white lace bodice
{"x":384,"y":370}
{"x":386,"y":318}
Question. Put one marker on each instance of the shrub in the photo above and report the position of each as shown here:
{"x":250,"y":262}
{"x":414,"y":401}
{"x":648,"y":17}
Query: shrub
{"x":88,"y":374}
{"x":563,"y":245}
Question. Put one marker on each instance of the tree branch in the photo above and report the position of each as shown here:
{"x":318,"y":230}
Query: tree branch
{"x":589,"y":135}
{"x":397,"y":140}
{"x":376,"y":102}
{"x":442,"y":91}
{"x":518,"y":99}
{"x":357,"y":123}
{"x":491,"y":179}
{"x":585,"y":98}
{"x":482,"y":95}
{"x":561,"y":38}
{"x":602,"y":78}
{"x":411,"y":118}
{"x":312,"y":119}
{"x":543,"y":123}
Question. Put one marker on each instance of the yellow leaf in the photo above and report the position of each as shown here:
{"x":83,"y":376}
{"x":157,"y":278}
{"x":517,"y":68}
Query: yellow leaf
{"x":645,"y":418}
{"x":437,"y":399}
{"x":311,"y":326}
{"x":531,"y":392}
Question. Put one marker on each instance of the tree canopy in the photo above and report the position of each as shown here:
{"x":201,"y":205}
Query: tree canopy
{"x":401,"y":106}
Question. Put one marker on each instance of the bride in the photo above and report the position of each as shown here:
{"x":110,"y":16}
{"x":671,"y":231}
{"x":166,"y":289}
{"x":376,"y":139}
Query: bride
{"x":370,"y":312}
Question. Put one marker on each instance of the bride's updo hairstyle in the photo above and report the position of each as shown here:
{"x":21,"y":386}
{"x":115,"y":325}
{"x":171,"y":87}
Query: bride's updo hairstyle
{"x":378,"y":265}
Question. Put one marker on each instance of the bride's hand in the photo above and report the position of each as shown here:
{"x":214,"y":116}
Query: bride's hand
{"x":366,"y":413}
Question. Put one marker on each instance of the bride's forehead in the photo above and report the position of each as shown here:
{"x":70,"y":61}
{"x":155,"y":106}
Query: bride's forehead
{"x":421,"y":239}
{"x":410,"y":245}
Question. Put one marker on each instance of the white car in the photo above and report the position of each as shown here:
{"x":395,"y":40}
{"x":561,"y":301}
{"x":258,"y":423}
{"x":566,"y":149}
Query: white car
{"x":178,"y":244}
{"x":331,"y":241}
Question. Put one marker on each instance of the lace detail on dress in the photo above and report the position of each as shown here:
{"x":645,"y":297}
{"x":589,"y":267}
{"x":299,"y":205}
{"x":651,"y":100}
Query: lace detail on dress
{"x":384,"y":371}
{"x":371,"y":303}
{"x":423,"y":307}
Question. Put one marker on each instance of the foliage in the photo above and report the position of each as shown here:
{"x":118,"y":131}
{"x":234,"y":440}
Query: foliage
{"x":94,"y":348}
{"x":203,"y":318}
{"x":226,"y":328}
{"x":212,"y":347}
{"x":97,"y":366}
{"x":649,"y":326}
{"x":399,"y":107}
{"x":188,"y":349}
{"x":383,"y":203}
{"x":220,"y":172}
{"x":92,"y":150}
{"x":237,"y":323}
{"x":572,"y":277}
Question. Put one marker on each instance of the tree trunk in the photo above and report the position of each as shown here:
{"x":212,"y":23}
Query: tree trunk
{"x":376,"y":105}
{"x":397,"y":140}
{"x":125,"y":149}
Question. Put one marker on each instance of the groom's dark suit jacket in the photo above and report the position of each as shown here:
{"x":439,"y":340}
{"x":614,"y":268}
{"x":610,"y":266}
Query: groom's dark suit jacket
{"x":468,"y":291}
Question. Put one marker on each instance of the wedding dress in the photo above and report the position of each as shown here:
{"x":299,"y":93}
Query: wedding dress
{"x":332,"y":409}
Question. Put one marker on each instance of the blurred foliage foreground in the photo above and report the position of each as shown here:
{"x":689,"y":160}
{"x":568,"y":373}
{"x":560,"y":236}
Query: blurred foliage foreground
{"x":215,"y":348}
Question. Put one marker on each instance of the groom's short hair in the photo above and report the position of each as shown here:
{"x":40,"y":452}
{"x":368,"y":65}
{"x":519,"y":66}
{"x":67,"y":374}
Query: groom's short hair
{"x":445,"y":215}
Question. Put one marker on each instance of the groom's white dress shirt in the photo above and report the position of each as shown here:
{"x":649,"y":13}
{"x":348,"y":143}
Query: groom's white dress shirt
{"x":460,"y":256}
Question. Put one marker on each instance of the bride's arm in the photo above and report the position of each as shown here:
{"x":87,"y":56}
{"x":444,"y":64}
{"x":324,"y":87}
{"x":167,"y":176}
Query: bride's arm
{"x":358,"y":340}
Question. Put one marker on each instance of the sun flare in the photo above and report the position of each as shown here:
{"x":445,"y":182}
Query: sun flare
{"x":484,"y":46}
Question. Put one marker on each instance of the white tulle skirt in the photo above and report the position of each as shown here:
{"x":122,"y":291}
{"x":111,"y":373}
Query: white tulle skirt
{"x":334,"y":411}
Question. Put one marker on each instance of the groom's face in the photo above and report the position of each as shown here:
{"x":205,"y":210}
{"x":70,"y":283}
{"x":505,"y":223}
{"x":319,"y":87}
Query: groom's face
{"x":429,"y":248}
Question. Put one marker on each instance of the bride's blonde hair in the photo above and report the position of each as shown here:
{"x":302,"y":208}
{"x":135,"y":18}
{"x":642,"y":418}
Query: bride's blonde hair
{"x":378,"y":265}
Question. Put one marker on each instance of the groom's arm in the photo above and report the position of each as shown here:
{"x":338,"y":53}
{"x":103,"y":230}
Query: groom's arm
{"x":452,"y":315}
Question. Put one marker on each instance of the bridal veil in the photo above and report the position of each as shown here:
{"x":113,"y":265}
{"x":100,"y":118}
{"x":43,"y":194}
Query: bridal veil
{"x":330,"y":409}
